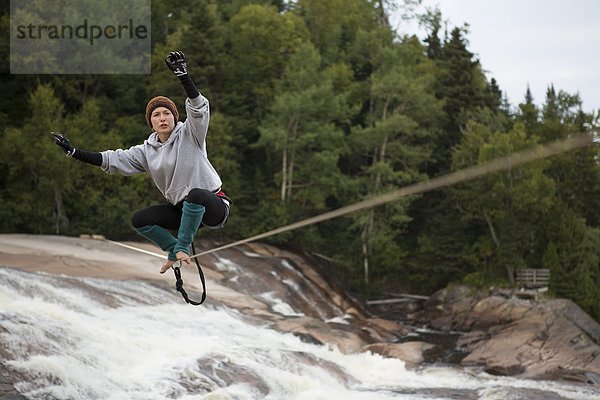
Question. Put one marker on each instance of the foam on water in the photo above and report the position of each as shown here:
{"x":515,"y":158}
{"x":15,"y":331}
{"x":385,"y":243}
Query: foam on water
{"x":77,"y":338}
{"x":278,"y":306}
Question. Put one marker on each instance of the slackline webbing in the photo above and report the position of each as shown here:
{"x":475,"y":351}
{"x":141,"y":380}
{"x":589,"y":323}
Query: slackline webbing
{"x":176,"y":269}
{"x":137,"y":249}
{"x":463,"y":175}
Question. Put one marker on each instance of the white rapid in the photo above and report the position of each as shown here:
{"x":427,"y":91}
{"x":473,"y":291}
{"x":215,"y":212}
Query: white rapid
{"x":81,"y":338}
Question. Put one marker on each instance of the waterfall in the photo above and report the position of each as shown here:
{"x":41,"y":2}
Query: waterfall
{"x":64,"y":337}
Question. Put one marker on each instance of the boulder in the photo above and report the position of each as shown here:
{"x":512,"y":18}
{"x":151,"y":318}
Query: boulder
{"x":312,"y":330}
{"x":448,"y":307}
{"x":383,"y":330}
{"x":547,"y":339}
{"x":410,"y":352}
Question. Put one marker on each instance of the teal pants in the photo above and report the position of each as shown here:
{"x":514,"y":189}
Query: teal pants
{"x":191,"y":218}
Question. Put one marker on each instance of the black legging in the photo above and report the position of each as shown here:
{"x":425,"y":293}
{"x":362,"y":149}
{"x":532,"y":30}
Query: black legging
{"x":169,"y":216}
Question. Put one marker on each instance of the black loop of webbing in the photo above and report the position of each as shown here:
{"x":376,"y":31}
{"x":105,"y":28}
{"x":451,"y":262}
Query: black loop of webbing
{"x":179,"y":282}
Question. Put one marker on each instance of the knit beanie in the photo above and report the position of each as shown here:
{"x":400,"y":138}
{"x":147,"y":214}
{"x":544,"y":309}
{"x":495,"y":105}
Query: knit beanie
{"x":161,"y":101}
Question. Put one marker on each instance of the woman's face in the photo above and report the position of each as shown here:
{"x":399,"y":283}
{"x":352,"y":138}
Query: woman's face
{"x":163,"y":121}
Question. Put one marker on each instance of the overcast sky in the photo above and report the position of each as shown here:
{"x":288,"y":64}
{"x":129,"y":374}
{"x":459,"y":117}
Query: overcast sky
{"x":531,"y":42}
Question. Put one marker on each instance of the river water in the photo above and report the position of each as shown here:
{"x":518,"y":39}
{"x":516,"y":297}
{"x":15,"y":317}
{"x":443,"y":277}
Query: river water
{"x":81,"y":338}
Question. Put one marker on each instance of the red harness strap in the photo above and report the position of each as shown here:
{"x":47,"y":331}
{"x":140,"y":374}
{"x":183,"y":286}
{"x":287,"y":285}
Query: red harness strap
{"x":222,"y":195}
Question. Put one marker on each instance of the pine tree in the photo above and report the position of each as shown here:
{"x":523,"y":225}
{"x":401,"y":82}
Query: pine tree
{"x":576,"y":173}
{"x":433,"y":22}
{"x":462,"y":86}
{"x":528,"y":114}
{"x":572,"y":255}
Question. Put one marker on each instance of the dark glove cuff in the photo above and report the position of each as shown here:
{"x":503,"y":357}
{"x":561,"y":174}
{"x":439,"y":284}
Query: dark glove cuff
{"x":89,"y":157}
{"x":190,"y":89}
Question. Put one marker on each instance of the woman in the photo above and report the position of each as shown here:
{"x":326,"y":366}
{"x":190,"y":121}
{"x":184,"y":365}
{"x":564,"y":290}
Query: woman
{"x":175,"y":157}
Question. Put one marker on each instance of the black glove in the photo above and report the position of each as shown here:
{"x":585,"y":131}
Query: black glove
{"x":176,"y":63}
{"x":64,"y":143}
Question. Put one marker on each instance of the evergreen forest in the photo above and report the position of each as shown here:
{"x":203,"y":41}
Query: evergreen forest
{"x":318,"y":104}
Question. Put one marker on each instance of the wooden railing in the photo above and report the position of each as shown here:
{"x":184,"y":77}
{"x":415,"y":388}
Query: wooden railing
{"x":533,"y":278}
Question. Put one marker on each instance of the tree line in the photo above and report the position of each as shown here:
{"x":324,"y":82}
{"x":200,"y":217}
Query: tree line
{"x":317,"y":104}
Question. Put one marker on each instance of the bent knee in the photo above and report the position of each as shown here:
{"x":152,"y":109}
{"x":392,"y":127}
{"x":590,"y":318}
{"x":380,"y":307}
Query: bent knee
{"x":199,"y":196}
{"x":138,"y":219}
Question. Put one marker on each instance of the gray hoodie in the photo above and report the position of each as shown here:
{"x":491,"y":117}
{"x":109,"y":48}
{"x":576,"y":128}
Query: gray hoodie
{"x":176,"y":166}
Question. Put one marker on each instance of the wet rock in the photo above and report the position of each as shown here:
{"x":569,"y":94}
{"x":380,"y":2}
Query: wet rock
{"x":383,"y":330}
{"x":8,"y":377}
{"x":440,"y":393}
{"x":12,"y":396}
{"x":401,"y":310}
{"x":313,"y":330}
{"x":289,"y":291}
{"x":7,"y":390}
{"x":466,"y":340}
{"x":216,"y":372}
{"x":516,"y":337}
{"x":311,"y":360}
{"x":447,"y":308}
{"x":450,"y":297}
{"x":309,"y":271}
{"x":586,"y":377}
{"x":410,"y":352}
{"x":518,"y":393}
{"x":281,"y":281}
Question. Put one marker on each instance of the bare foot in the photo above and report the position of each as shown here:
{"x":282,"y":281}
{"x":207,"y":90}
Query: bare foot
{"x":168,"y":264}
{"x":183,"y":257}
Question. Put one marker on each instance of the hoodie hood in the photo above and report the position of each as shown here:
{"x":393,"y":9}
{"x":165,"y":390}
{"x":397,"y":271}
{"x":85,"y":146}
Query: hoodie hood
{"x":155,"y":142}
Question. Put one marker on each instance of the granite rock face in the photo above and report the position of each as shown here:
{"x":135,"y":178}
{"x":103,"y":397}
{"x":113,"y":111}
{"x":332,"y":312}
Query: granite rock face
{"x":410,"y":352}
{"x":545,"y":339}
